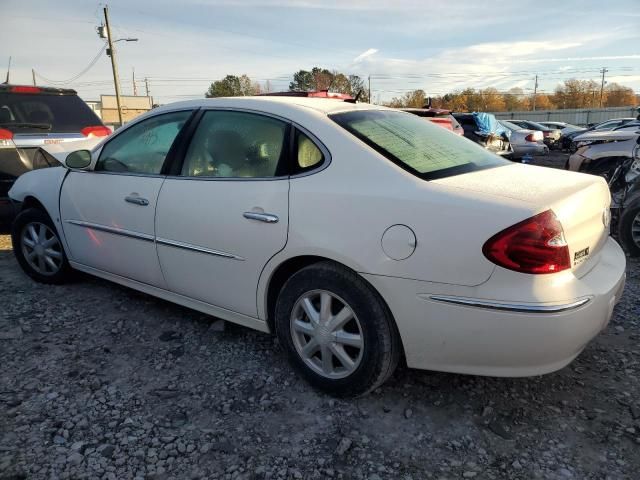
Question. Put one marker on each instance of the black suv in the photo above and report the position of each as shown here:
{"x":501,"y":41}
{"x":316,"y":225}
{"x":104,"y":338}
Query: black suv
{"x":31,"y":117}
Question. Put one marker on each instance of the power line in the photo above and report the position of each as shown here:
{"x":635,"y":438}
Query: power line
{"x":75,"y":77}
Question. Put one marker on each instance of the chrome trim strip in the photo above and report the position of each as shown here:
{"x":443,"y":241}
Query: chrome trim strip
{"x":511,"y":307}
{"x":196,"y":248}
{"x":116,"y":231}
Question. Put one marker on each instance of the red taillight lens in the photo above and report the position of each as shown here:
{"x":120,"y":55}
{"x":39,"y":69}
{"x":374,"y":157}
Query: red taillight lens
{"x":5,"y":134}
{"x":530,"y":138}
{"x":25,"y":89}
{"x":96,"y":131}
{"x":535,"y":245}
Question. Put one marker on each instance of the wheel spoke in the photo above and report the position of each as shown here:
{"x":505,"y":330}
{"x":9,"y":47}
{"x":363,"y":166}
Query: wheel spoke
{"x":350,"y":339}
{"x":51,"y":242}
{"x":342,"y":356}
{"x":30,"y":255}
{"x":42,"y":233}
{"x":310,"y":310}
{"x":28,"y":242}
{"x":325,"y":307}
{"x":303,"y":327}
{"x":340,"y":319}
{"x":32,"y":231}
{"x":41,"y":264}
{"x":51,"y":263}
{"x":327,"y":360}
{"x":310,"y":348}
{"x":52,"y":253}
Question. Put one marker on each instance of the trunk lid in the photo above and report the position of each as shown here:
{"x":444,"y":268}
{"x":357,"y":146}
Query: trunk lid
{"x":580,"y":202}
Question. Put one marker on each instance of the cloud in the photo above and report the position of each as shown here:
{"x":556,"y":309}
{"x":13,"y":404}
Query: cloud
{"x":363,"y":55}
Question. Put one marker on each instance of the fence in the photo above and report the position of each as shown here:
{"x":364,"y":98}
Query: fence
{"x":576,"y":116}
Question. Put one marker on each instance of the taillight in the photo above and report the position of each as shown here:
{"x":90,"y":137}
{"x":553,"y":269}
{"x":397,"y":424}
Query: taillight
{"x":96,"y":131}
{"x":530,"y":138}
{"x":25,"y":89}
{"x":5,"y":134}
{"x":535,"y":245}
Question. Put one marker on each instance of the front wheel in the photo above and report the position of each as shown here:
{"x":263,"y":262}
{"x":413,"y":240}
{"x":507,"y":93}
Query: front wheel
{"x":38,"y":248}
{"x":630,"y":229}
{"x":337,"y":331}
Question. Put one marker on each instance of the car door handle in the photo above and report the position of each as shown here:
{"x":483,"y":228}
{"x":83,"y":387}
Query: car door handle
{"x":136,"y":200}
{"x":262,"y":217}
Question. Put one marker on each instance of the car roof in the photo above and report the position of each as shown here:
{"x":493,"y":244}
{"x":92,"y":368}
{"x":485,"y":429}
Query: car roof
{"x":322,"y":105}
{"x":11,"y":88}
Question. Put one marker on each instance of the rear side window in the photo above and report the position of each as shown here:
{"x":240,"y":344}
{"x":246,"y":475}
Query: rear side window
{"x":143,"y":147}
{"x":422,"y":148}
{"x":237,"y":145}
{"x":45,"y":113}
{"x":308,"y":154}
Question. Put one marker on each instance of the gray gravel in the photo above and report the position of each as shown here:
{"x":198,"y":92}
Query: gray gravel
{"x":98,"y":381}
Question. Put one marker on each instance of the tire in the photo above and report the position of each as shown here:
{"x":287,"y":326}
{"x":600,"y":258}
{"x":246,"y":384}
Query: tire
{"x":630,"y":226}
{"x":34,"y":227}
{"x":378,"y":353}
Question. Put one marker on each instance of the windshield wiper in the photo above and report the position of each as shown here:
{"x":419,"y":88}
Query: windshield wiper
{"x":42,"y":126}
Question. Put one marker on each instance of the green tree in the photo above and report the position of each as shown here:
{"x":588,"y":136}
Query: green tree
{"x":233,"y":86}
{"x":322,"y":79}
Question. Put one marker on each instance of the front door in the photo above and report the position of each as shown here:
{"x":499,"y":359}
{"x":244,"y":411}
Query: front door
{"x":226,"y":214}
{"x":108,"y":212}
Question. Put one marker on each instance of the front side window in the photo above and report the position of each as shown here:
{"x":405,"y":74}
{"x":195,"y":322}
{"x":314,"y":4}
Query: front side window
{"x":143,"y":147}
{"x":232,"y":144}
{"x":423,"y":148}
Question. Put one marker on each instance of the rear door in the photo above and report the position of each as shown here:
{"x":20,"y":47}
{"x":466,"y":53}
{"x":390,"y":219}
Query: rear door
{"x":108,"y":213}
{"x":225,"y":212}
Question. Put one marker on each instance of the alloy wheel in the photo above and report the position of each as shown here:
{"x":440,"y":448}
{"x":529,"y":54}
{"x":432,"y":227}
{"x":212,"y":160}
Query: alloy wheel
{"x":635,"y":229}
{"x":327,"y":334}
{"x":41,"y":248}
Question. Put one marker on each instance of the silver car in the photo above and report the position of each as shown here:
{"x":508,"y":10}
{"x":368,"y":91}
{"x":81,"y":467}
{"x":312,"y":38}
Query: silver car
{"x":524,"y":141}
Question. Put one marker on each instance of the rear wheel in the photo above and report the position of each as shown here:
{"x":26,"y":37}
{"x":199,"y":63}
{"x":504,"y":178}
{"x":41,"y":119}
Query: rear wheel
{"x":336,"y":329}
{"x":38,"y":247}
{"x":630,"y":229}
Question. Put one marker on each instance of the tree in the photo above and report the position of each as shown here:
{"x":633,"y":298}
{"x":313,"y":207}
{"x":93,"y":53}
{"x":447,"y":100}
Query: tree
{"x":618,"y":96}
{"x":576,"y":94}
{"x":412,"y":99}
{"x":322,"y":79}
{"x":233,"y":86}
{"x":514,"y":99}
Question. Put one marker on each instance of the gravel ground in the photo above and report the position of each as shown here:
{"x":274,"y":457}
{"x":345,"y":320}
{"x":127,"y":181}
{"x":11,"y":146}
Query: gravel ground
{"x":98,"y":381}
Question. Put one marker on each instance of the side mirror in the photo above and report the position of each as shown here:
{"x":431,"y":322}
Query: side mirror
{"x":79,"y":159}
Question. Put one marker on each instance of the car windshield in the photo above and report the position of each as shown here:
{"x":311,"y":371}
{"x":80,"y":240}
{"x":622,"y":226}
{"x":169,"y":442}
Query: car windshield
{"x":422,"y":148}
{"x":33,"y":113}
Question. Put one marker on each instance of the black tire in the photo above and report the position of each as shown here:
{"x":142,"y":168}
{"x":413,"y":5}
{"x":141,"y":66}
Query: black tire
{"x":625,"y":230}
{"x":381,"y":342}
{"x":22,"y":221}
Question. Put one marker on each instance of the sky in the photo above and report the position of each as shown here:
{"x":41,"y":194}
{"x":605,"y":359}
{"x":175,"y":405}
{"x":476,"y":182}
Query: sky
{"x":438,"y":46}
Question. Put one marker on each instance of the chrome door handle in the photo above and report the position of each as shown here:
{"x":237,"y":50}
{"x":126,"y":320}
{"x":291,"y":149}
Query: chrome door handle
{"x":262,"y":217}
{"x":136,"y":200}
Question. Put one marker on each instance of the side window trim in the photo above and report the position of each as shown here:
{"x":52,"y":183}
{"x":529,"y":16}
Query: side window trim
{"x":175,"y":170}
{"x":170,"y":153}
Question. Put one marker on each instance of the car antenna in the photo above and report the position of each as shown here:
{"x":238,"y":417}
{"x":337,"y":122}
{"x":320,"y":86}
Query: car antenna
{"x":357,"y":97}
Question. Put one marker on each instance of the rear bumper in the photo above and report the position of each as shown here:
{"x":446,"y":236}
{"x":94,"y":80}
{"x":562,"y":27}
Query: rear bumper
{"x":534,"y":149}
{"x":464,"y":333}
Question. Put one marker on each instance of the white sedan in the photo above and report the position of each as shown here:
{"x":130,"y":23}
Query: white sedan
{"x":356,"y":233}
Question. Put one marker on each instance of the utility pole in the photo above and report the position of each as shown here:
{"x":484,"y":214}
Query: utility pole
{"x":33,"y":76}
{"x":135,"y":88}
{"x":535,"y":91}
{"x":603,"y":71}
{"x":8,"y":70}
{"x":146,"y":85}
{"x":114,"y":67}
{"x":369,"y":78}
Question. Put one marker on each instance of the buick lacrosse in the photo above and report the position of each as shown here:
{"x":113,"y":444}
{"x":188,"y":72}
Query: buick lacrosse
{"x":358,"y":234}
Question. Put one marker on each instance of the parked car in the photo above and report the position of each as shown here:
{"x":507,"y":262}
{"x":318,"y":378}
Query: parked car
{"x":525,"y":142}
{"x":439,"y":116}
{"x":551,"y":136}
{"x":615,"y":155}
{"x":562,"y":126}
{"x":484,"y":129}
{"x":354,"y":232}
{"x":568,"y":143}
{"x":31,"y":117}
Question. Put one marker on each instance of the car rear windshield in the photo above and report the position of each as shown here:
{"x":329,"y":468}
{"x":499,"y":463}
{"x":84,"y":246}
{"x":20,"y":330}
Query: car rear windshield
{"x":33,"y":113}
{"x":422,"y":148}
